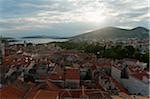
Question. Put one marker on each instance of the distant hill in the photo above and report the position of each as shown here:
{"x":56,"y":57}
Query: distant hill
{"x":6,"y":38}
{"x":112,"y":33}
{"x":44,"y":37}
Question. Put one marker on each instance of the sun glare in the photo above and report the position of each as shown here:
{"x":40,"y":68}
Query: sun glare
{"x":95,"y":17}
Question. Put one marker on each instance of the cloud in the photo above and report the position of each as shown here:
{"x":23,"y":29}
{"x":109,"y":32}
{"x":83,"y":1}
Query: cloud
{"x":27,"y":15}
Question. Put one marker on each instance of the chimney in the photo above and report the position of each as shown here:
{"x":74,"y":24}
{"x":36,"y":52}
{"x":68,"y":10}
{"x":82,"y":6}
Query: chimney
{"x":83,"y":95}
{"x":83,"y":91}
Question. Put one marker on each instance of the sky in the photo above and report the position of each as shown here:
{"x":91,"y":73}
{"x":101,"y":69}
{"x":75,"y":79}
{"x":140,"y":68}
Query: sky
{"x":66,"y":18}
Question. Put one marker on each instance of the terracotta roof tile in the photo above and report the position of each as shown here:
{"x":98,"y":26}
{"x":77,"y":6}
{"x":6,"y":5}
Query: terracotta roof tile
{"x":88,"y":93}
{"x":52,"y":87}
{"x":10,"y":92}
{"x":72,"y":74}
{"x":44,"y":94}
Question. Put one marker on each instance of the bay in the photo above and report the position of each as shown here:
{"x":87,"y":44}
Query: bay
{"x":36,"y":40}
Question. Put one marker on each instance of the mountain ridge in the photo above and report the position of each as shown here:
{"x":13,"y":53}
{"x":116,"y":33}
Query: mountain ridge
{"x":44,"y":37}
{"x":112,"y":33}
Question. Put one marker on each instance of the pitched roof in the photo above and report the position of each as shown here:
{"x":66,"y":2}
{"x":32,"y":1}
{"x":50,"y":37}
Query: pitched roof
{"x":72,"y":74}
{"x":44,"y":94}
{"x":56,"y":77}
{"x":31,"y":92}
{"x":21,"y":85}
{"x":52,"y":87}
{"x":99,"y":95}
{"x":36,"y":89}
{"x":138,"y":73}
{"x":66,"y":93}
{"x":51,"y":77}
{"x":91,"y":93}
{"x":10,"y":92}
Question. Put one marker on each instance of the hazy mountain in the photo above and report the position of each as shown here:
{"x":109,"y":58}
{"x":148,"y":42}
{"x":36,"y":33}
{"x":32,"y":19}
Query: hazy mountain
{"x":113,"y":33}
{"x":44,"y":37}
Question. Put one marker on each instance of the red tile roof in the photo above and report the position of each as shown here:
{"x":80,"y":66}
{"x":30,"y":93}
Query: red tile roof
{"x":31,"y":92}
{"x":138,"y":73}
{"x":51,"y":77}
{"x":56,"y":77}
{"x":36,"y":92}
{"x":10,"y":92}
{"x":104,"y":65}
{"x":66,"y":93}
{"x":140,"y":76}
{"x":78,"y":93}
{"x":44,"y":94}
{"x":52,"y":87}
{"x":72,"y":74}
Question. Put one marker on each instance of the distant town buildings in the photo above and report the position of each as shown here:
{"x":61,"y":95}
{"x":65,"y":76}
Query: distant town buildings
{"x":45,"y":71}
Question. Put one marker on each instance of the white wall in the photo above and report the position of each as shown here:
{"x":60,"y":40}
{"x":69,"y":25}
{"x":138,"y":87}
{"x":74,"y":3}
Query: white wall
{"x":116,"y":73}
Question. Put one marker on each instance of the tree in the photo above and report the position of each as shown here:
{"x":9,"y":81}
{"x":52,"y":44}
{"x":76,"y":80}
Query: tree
{"x":130,"y":51}
{"x":88,"y":75}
